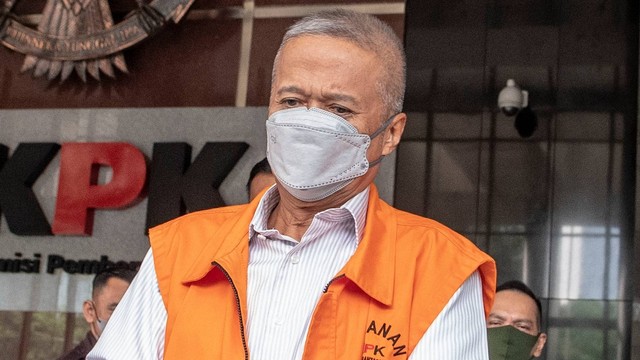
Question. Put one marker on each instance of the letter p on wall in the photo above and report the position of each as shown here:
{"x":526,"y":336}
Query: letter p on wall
{"x":78,"y":190}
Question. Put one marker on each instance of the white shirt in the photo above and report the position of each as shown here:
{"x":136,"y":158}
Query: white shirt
{"x":285,"y":280}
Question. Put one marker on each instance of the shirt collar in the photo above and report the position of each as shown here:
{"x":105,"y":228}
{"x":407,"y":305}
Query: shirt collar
{"x":377,"y":281}
{"x":356,"y":208}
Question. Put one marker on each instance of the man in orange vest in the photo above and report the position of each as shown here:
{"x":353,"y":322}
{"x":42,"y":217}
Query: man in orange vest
{"x":318,"y":267}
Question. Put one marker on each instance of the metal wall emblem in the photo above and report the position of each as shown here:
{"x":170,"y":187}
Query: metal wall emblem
{"x":80,"y":35}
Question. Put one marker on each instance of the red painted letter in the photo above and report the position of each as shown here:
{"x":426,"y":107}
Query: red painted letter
{"x":78,"y":191}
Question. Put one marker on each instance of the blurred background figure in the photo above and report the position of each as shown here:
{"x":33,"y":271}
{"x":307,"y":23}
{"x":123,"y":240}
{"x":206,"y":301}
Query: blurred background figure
{"x":260,"y":177}
{"x":514,"y":323}
{"x":108,"y":287}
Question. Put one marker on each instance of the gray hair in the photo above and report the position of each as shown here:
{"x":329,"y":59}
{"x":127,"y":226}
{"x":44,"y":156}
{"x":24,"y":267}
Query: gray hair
{"x":367,"y":32}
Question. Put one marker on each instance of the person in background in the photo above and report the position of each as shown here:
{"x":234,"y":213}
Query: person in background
{"x":514,"y":330}
{"x":319,"y":267}
{"x":260,"y":177}
{"x":108,"y":287}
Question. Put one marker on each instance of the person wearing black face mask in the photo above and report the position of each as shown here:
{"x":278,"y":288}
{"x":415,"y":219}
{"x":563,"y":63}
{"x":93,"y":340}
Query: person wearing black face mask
{"x":108,"y":286}
{"x":514,"y":323}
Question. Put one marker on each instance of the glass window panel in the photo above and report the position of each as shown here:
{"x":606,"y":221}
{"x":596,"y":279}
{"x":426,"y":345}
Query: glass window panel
{"x":562,"y":310}
{"x":575,"y":343}
{"x":521,"y":13}
{"x":456,"y":126}
{"x":580,"y":196}
{"x":522,"y":257}
{"x":80,"y":329}
{"x":433,"y":47}
{"x":582,"y":329}
{"x":617,"y":196}
{"x":416,"y":126}
{"x":454,"y":184}
{"x":445,"y":13}
{"x":10,"y":326}
{"x":458,"y":89}
{"x":588,"y":87}
{"x":47,"y":335}
{"x":420,"y":84}
{"x":510,"y":254}
{"x":578,"y":46}
{"x":618,"y":118}
{"x":580,"y":126}
{"x":585,"y":264}
{"x":593,"y":12}
{"x":520,"y":186}
{"x":411,"y":174}
{"x":517,"y":46}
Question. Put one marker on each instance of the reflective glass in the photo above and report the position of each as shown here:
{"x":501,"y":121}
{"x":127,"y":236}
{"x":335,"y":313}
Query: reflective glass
{"x":520,"y":184}
{"x":587,"y":330}
{"x":586,"y":265}
{"x":456,"y":126}
{"x":453,"y":184}
{"x":410,"y":174}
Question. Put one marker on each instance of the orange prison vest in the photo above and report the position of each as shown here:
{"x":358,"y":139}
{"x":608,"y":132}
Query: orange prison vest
{"x":403,"y":273}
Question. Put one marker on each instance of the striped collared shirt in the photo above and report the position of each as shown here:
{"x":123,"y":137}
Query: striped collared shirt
{"x":286,"y":277}
{"x":285,"y":280}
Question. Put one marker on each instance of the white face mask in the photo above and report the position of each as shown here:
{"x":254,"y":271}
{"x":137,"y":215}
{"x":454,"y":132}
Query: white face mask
{"x":101,"y":323}
{"x":314,"y":153}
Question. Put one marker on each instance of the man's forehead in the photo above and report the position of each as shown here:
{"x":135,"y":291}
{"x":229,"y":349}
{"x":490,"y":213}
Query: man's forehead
{"x":513,"y":300}
{"x":324,"y":46}
{"x":312,"y":39}
{"x":114,"y":285}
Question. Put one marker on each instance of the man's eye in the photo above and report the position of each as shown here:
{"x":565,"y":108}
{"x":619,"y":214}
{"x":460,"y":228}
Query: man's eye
{"x":342,"y":111}
{"x":290,"y":102}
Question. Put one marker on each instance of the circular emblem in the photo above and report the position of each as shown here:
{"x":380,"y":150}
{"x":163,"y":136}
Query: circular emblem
{"x":80,"y":35}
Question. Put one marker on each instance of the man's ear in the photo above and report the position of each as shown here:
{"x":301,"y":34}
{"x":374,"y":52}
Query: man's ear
{"x":88,"y":311}
{"x":393,"y":133}
{"x":537,"y":349}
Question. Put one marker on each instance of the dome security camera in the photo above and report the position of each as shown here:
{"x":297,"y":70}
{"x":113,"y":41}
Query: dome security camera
{"x":511,"y":98}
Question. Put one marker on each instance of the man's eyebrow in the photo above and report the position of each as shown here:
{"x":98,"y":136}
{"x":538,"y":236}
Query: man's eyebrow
{"x":326,"y":96}
{"x":523,"y":322}
{"x":290,"y":89}
{"x":340,"y":97}
{"x":496,"y":317}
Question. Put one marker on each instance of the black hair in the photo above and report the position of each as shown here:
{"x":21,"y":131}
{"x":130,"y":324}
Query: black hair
{"x":519,"y":286}
{"x":120,"y":272}
{"x":261,"y":167}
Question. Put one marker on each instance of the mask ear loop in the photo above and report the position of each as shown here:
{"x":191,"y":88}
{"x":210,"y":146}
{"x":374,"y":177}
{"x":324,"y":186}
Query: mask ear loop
{"x":380,"y":130}
{"x":95,"y":310}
